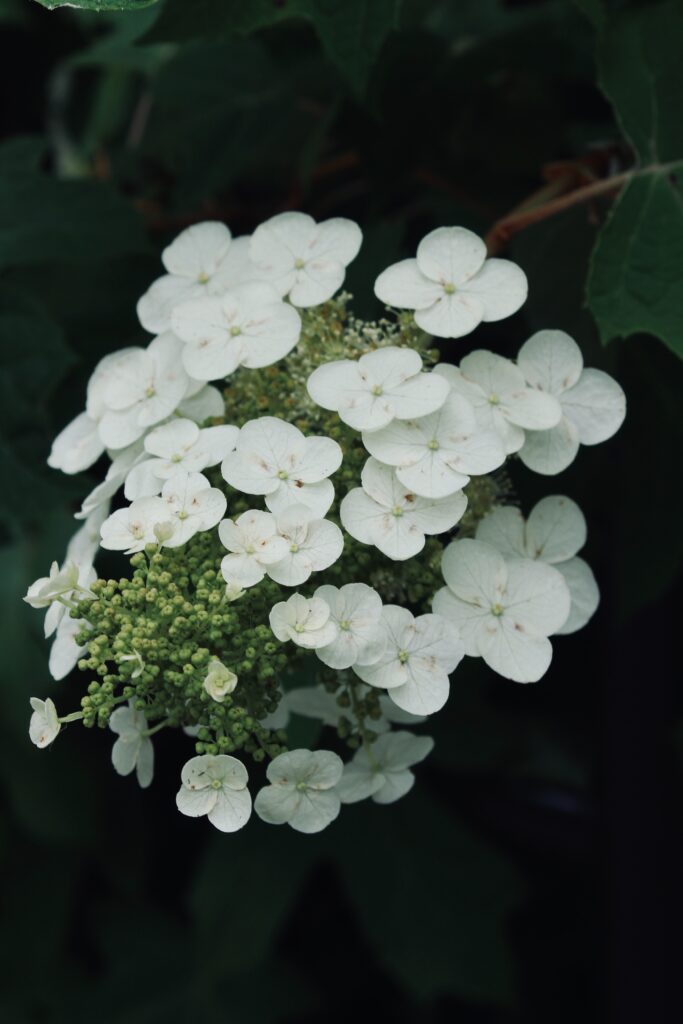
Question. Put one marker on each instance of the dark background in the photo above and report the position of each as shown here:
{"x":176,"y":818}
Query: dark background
{"x":534,"y":872}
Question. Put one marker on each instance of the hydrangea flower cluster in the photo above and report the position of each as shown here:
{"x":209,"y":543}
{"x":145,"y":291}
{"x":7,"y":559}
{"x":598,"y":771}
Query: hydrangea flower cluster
{"x":301,"y":494}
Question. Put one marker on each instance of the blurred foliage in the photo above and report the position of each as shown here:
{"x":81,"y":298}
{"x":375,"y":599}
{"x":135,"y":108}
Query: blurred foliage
{"x":474,"y":897}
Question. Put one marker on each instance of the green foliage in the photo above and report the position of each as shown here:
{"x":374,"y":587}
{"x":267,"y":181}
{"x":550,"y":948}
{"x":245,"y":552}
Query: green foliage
{"x":351,"y":31}
{"x":634,"y":283}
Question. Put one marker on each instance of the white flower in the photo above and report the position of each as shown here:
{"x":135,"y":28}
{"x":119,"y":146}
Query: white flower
{"x":249,"y":326}
{"x":451,"y":285}
{"x":435,"y":455}
{"x":215,"y":786}
{"x":77,"y":446}
{"x":305,"y":621}
{"x":419,"y":655}
{"x":192,"y":504}
{"x":178,"y":447}
{"x":203,"y":260}
{"x":136,"y":388}
{"x":312,"y":545}
{"x":301,"y":791}
{"x":64,"y":651}
{"x":497,"y":391}
{"x":137,"y":660}
{"x":203,"y":405}
{"x":133,"y":750}
{"x":84,"y":581}
{"x":554,"y":532}
{"x":275,"y":459}
{"x":593,"y":404}
{"x":381,"y":386}
{"x":505,"y":610}
{"x":219,"y":680}
{"x":384,"y":512}
{"x":130,"y":529}
{"x":356,"y":609}
{"x":85,"y":542}
{"x":302,"y":259}
{"x":44,"y":725}
{"x":254,"y":545}
{"x":121,"y":464}
{"x":383,"y":772}
{"x":47,"y":589}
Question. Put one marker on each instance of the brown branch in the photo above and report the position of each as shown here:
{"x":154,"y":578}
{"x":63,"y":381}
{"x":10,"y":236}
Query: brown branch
{"x":546,"y":203}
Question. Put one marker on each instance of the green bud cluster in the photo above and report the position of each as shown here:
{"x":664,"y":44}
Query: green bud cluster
{"x":152,"y":637}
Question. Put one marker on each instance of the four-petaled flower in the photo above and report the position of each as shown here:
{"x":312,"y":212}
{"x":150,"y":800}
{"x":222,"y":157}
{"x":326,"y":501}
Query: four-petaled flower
{"x":384,"y":512}
{"x":451,"y":285}
{"x":435,"y":455}
{"x":383,"y":772}
{"x":313,"y":545}
{"x":593,"y":405}
{"x":419,"y":655}
{"x":554,"y":532}
{"x":215,"y":786}
{"x":302,"y":259}
{"x":131,"y":529}
{"x":254,"y":545}
{"x":219,"y":681}
{"x":498,"y":393}
{"x":133,"y":750}
{"x":301,"y":791}
{"x":504,"y":609}
{"x":356,"y":609}
{"x":383,"y":385}
{"x":249,"y":326}
{"x":274,"y":458}
{"x":307,"y":622}
{"x":192,"y":504}
{"x":203,"y":260}
{"x":44,"y":725}
{"x":178,"y":447}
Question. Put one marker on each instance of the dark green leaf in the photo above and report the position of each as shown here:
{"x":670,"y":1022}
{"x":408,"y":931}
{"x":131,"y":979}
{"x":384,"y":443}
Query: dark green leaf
{"x":634,"y":282}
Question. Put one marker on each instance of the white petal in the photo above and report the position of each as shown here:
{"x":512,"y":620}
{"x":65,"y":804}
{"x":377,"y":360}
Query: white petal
{"x":396,"y":785}
{"x":471,"y":620}
{"x":155,"y":307}
{"x":596,"y":405}
{"x":195,"y":803}
{"x":316,"y":282}
{"x":451,"y":255}
{"x":77,"y":446}
{"x":550,"y":360}
{"x":584,"y":592}
{"x":358,"y":783}
{"x":424,"y":694}
{"x":198,"y":250}
{"x":397,"y":751}
{"x":501,"y":287}
{"x":335,"y":384}
{"x":451,"y":316}
{"x":124,"y":754}
{"x":207,"y":403}
{"x":315,"y":811}
{"x":65,"y":652}
{"x":231,"y":810}
{"x":170,"y":438}
{"x":316,"y":497}
{"x":404,"y":286}
{"x":550,"y":451}
{"x":503,"y":529}
{"x":145,"y":764}
{"x":338,"y":239}
{"x":556,"y":530}
{"x":475,"y":572}
{"x":536,"y":598}
{"x":514,"y":655}
{"x":276,"y":804}
{"x":142,"y":481}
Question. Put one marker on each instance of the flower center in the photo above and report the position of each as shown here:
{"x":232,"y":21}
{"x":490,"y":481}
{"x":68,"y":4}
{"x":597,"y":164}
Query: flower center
{"x":433,"y":445}
{"x":137,"y":529}
{"x":449,"y":288}
{"x":182,"y":514}
{"x":397,"y":511}
{"x":282,"y":474}
{"x":294,"y":548}
{"x":301,"y":786}
{"x":345,"y":624}
{"x":216,"y":784}
{"x":203,"y":277}
{"x":249,"y":550}
{"x":299,"y":263}
{"x":234,"y":331}
{"x":494,"y":399}
{"x":497,"y":610}
{"x":403,"y":656}
{"x":298,"y":628}
{"x":376,"y":391}
{"x":176,"y":458}
{"x":150,"y":392}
